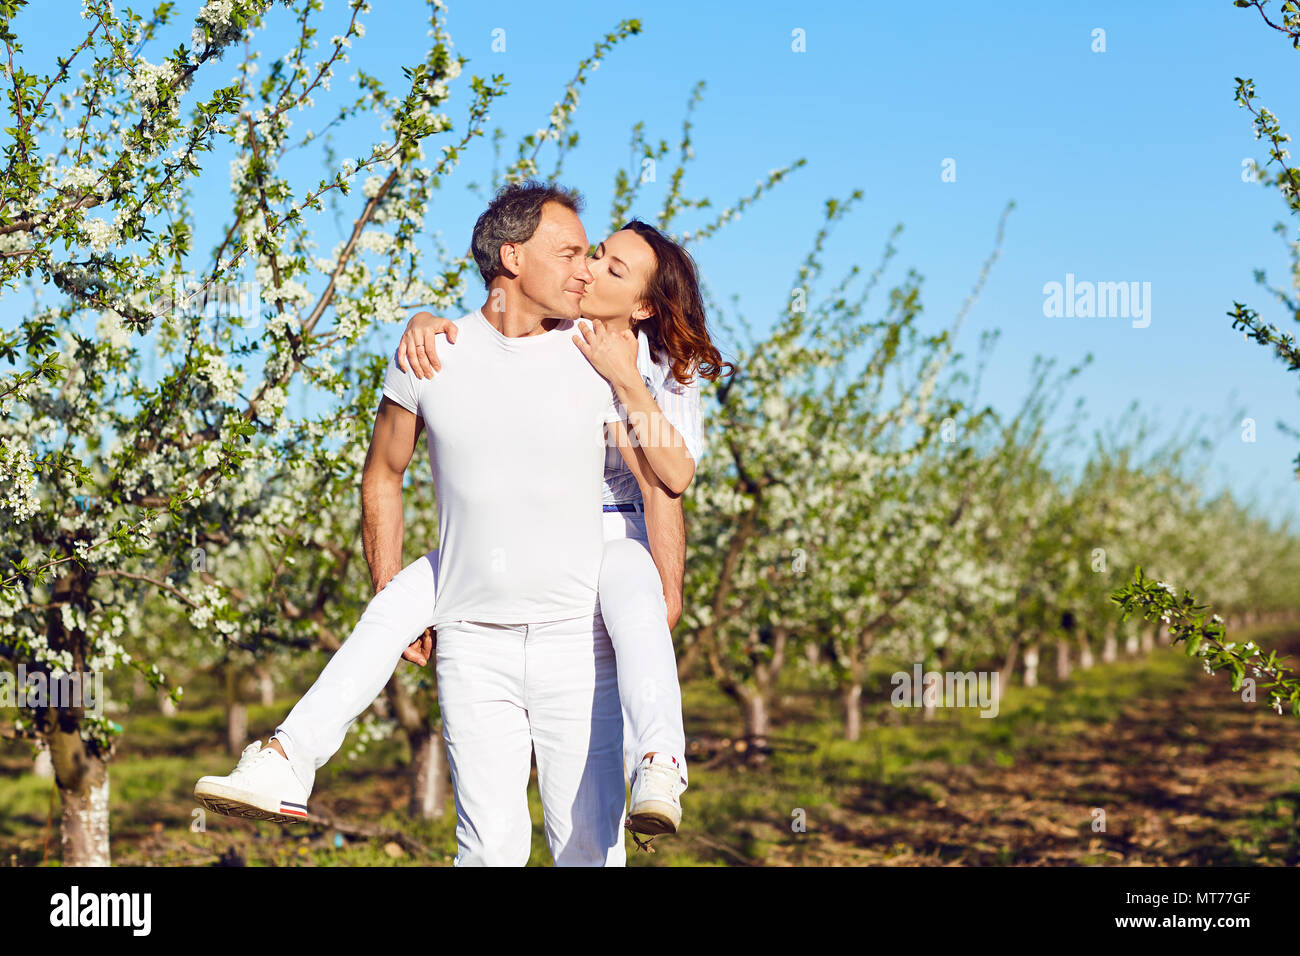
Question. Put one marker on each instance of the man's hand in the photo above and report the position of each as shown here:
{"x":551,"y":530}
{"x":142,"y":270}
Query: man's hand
{"x":421,"y":649}
{"x":673,"y":598}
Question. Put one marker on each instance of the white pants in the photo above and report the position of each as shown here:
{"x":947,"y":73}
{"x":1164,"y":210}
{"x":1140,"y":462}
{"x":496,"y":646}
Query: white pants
{"x":632,"y":604}
{"x":507,"y":690}
{"x":574,"y":679}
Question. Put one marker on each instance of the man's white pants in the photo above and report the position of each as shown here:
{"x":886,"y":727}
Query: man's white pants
{"x":508,"y":690}
{"x":557,"y":681}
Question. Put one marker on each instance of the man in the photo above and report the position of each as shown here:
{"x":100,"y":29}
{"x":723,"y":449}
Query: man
{"x":516,"y":425}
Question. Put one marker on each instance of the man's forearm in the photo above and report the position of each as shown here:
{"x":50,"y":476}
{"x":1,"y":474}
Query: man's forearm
{"x":666,"y":531}
{"x":382,"y":528}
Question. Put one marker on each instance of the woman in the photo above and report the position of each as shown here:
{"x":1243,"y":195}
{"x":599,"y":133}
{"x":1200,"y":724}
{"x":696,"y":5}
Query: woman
{"x":645,"y":288}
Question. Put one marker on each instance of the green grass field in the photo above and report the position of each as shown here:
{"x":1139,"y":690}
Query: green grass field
{"x":1184,"y":772}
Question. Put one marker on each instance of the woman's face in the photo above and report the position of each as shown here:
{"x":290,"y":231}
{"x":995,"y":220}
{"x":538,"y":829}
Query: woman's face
{"x":621,"y":268}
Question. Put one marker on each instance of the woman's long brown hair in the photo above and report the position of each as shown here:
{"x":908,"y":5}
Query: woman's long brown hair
{"x":673,"y":295}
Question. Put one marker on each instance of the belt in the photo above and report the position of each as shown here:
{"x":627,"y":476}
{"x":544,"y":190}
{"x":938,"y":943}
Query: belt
{"x":628,"y":506}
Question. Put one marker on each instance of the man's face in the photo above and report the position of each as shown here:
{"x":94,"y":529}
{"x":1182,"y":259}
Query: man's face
{"x":553,"y":271}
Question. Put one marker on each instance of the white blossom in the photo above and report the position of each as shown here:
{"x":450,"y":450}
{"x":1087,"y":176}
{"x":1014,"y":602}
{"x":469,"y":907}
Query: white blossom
{"x":217,"y":12}
{"x":100,"y":234}
{"x":110,"y":329}
{"x":18,"y":479}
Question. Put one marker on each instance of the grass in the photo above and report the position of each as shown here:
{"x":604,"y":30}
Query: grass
{"x":1180,"y":769}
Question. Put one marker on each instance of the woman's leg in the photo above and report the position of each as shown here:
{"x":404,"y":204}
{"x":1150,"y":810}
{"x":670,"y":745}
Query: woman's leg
{"x":314,"y":730}
{"x":636,"y":617}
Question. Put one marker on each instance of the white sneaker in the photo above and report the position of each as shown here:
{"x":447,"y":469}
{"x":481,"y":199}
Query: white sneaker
{"x":656,"y":792}
{"x":262,"y":787}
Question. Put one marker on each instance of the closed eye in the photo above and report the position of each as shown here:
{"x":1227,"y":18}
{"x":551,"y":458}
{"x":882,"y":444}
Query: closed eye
{"x":600,"y":254}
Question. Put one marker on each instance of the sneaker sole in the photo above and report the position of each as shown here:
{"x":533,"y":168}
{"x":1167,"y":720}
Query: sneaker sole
{"x":654,"y":817}
{"x":233,"y":802}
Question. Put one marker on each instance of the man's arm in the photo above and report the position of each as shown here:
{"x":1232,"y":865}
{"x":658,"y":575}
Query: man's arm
{"x":391,"y":446}
{"x":666,"y":530}
{"x":664,"y":522}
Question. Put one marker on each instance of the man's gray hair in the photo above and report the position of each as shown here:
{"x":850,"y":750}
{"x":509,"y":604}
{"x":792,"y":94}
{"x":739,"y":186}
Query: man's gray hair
{"x":512,"y":216}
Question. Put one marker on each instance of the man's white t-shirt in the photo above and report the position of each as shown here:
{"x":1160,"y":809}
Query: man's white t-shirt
{"x":515,"y":428}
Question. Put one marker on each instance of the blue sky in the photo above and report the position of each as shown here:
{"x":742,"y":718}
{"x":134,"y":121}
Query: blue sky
{"x":1124,"y":166}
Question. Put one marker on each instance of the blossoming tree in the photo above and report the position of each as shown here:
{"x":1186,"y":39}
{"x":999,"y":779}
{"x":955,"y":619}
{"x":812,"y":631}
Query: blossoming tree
{"x":192,"y":483}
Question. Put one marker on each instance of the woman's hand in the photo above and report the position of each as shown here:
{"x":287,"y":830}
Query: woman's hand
{"x":416,"y":350}
{"x":612,"y":354}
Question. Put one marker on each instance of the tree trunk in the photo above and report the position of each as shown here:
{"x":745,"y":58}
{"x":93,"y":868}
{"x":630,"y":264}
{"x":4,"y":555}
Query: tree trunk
{"x":1085,"y":654}
{"x":1008,"y":668}
{"x":429,"y":778}
{"x":686,"y":663}
{"x":80,"y":767}
{"x":852,"y":697}
{"x":1162,"y":634}
{"x":265,"y":687}
{"x":82,"y":778}
{"x":758,"y":700}
{"x":1131,"y":644}
{"x":1031,"y":665}
{"x":756,"y":723}
{"x":1062,"y":659}
{"x":930,"y":702}
{"x":236,"y":713}
{"x":1109,"y":647}
{"x":84,"y":833}
{"x":851,"y":688}
{"x":429,"y":774}
{"x":1148,"y":640}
